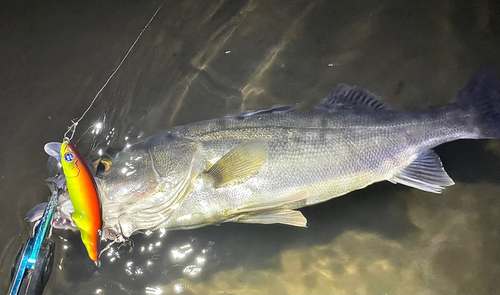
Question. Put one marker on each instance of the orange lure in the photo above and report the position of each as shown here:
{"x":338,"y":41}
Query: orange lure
{"x":83,"y":194}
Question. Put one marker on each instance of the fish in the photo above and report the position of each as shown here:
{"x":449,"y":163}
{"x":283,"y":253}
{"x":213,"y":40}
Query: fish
{"x":262,"y":166}
{"x":82,"y":190}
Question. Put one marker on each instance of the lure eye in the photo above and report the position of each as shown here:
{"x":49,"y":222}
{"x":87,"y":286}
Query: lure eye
{"x":68,"y":157}
{"x":102,"y":164}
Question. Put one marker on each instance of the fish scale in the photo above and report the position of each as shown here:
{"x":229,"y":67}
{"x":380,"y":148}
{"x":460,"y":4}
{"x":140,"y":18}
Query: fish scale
{"x":333,"y":165}
{"x":337,"y":159}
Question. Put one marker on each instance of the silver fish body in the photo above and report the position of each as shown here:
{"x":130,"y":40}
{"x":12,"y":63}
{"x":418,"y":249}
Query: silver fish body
{"x":260,"y":167}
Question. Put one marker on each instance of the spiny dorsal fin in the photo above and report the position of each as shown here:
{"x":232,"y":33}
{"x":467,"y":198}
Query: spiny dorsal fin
{"x":345,"y":97}
{"x":245,"y":159}
{"x":285,"y":216}
{"x":276,"y":203}
{"x":425,"y":173}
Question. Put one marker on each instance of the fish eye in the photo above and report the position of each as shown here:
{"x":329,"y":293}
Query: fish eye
{"x":102,"y":164}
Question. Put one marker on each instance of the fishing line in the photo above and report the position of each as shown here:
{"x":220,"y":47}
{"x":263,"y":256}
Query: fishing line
{"x":72,"y":128}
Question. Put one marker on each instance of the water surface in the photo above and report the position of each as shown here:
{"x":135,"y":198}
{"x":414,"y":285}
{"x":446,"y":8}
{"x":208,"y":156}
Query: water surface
{"x":200,"y":60}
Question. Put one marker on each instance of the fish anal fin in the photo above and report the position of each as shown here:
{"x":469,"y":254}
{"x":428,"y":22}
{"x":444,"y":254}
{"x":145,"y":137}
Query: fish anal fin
{"x":285,"y":216}
{"x":345,"y":97}
{"x":425,"y":173}
{"x":293,"y":197}
{"x":244,"y":160}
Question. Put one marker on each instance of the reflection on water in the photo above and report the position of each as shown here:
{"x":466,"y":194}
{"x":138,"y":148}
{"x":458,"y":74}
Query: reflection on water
{"x":435,"y":245}
{"x":204,"y":60}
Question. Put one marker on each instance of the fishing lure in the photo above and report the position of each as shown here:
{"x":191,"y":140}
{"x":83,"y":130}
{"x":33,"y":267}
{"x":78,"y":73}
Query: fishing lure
{"x":83,"y":194}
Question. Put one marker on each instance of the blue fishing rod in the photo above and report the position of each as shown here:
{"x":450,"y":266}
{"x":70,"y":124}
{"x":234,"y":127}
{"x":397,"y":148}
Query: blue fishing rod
{"x":35,"y":260}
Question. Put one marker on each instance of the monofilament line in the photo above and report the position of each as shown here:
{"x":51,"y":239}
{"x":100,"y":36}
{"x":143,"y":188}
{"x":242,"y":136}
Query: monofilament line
{"x":72,"y":128}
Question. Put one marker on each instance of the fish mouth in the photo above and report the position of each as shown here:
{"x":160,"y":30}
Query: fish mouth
{"x":112,"y":234}
{"x":109,"y":214}
{"x":61,"y":218}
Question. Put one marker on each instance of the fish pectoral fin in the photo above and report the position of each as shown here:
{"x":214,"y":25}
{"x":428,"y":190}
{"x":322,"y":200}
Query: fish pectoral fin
{"x":297,"y":196}
{"x":244,"y":160}
{"x":285,"y":216}
{"x":425,"y":173}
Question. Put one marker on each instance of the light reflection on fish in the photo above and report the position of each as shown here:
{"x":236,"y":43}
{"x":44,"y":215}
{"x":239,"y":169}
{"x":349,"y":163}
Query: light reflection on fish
{"x":259,"y":167}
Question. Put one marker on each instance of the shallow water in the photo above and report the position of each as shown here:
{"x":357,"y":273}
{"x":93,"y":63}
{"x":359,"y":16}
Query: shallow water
{"x":200,"y":61}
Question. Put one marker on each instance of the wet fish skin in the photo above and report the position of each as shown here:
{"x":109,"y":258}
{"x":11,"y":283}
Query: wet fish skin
{"x":347,"y":143}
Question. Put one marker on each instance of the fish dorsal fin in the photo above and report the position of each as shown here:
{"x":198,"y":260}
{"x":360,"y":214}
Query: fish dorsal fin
{"x":285,"y":216}
{"x":277,"y":109}
{"x":345,"y":97}
{"x":425,"y":173}
{"x":244,"y":160}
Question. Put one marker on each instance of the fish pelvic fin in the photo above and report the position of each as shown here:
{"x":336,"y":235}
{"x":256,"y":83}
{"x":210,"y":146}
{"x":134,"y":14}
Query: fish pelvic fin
{"x":276,"y":203}
{"x":482,"y":97}
{"x":425,"y":173}
{"x":285,"y":216}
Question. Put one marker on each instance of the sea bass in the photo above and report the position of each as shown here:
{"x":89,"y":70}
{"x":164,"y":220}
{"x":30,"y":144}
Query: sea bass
{"x":261,"y":166}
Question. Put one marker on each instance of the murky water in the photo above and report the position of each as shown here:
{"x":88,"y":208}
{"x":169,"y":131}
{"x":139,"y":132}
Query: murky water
{"x":201,"y":60}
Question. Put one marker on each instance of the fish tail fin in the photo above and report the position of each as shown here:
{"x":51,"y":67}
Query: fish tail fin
{"x":481,"y":98}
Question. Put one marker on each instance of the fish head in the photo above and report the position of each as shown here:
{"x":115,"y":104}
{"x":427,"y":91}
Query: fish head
{"x":144,"y":183}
